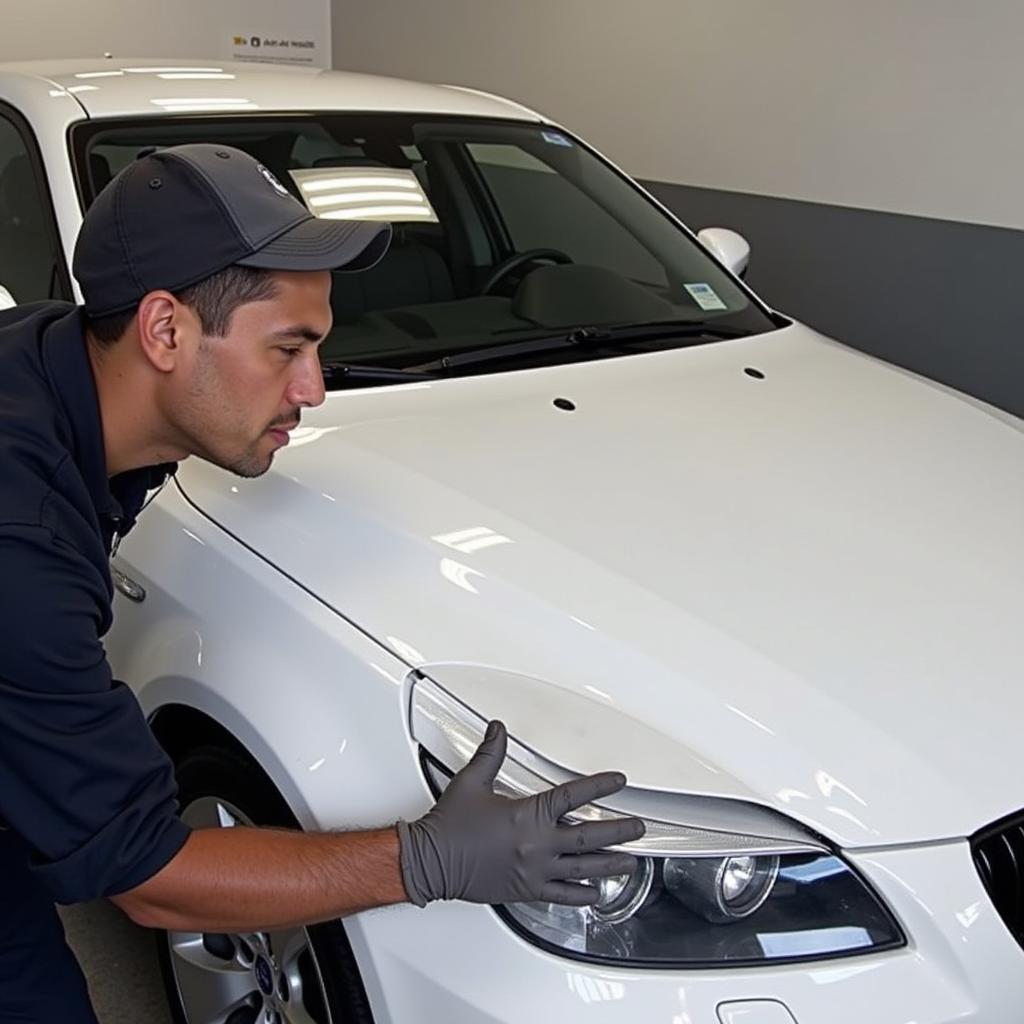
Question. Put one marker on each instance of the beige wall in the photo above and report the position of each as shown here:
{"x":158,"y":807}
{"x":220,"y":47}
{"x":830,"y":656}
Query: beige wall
{"x":33,"y":29}
{"x":912,"y":106}
{"x":38,"y":29}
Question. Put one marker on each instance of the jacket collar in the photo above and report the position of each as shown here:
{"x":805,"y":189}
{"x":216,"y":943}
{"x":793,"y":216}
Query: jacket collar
{"x":66,"y":361}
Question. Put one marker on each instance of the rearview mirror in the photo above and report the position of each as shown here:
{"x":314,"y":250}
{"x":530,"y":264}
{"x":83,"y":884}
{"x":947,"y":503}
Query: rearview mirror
{"x":731,"y":248}
{"x":6,"y":298}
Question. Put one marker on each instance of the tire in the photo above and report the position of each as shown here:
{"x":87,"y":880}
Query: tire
{"x":331,"y":990}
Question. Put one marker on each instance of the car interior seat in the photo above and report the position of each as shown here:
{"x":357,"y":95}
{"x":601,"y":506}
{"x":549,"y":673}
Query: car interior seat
{"x":411,"y":273}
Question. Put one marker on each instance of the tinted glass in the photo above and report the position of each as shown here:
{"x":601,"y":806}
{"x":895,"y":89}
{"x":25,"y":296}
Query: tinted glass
{"x":515,"y":231}
{"x":29,"y":255}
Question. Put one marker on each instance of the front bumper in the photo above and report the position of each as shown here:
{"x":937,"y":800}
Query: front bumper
{"x":460,"y":964}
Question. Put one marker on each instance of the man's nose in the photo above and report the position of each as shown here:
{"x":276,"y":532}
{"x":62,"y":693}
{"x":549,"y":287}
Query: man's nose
{"x":307,"y":387}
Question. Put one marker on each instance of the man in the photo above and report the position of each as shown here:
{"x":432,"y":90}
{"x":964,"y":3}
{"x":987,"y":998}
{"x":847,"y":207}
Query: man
{"x":206,"y":290}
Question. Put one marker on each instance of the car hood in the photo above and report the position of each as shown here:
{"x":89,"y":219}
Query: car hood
{"x":770,"y":569}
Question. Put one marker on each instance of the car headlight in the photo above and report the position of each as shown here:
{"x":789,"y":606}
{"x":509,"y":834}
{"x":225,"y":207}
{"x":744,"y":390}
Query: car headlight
{"x":700,"y":897}
{"x":803,"y":908}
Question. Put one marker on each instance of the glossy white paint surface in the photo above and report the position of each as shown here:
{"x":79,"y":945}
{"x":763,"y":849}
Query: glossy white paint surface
{"x":729,"y":246}
{"x":317,"y":703}
{"x":450,"y":732}
{"x":129,"y":86}
{"x":805,"y":587}
{"x":754,"y":1011}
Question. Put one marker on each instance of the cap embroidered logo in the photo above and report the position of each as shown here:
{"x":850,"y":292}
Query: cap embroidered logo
{"x":278,"y":187}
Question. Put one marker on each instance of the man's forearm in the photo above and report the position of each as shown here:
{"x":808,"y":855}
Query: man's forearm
{"x":250,"y":879}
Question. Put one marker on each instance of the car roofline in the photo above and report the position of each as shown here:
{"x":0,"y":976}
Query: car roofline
{"x":140,"y":87}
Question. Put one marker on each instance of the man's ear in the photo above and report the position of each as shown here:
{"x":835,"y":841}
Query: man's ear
{"x":165,"y":327}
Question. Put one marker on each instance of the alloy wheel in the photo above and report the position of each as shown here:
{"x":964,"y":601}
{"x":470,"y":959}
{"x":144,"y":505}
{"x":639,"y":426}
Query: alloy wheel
{"x":267,"y":977}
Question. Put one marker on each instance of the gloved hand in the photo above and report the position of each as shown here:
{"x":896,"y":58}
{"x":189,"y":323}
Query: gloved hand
{"x":479,"y":846}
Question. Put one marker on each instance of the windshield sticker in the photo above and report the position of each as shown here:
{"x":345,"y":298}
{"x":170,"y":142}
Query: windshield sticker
{"x":705,"y":296}
{"x":556,"y":139}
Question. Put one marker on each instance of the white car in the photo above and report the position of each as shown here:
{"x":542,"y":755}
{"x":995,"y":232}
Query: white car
{"x":570,"y":473}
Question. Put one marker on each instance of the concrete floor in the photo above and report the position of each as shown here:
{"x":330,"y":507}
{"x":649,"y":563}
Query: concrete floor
{"x":119,"y":960}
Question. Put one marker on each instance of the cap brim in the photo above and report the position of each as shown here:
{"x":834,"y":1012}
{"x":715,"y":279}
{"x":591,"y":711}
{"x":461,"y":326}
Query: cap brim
{"x":319,"y":244}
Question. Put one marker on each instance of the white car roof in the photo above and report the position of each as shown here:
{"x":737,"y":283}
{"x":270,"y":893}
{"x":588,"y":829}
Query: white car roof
{"x":132,"y":87}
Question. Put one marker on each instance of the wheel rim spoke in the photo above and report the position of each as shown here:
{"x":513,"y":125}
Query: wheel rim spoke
{"x":305,"y":991}
{"x":211,"y":988}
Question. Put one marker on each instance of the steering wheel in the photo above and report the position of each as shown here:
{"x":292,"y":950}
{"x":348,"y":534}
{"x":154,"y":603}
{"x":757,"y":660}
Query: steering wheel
{"x":520,"y":259}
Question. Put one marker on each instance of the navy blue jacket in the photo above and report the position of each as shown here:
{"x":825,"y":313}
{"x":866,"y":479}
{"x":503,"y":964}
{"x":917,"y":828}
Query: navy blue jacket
{"x":83,"y":783}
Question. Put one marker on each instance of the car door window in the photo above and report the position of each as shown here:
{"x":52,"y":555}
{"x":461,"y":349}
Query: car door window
{"x":30,"y":258}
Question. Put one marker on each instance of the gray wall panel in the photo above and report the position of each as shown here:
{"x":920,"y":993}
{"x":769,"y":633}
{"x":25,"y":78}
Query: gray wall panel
{"x":939,"y":297}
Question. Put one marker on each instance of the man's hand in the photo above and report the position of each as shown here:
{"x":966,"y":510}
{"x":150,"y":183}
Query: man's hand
{"x":478,"y":846}
{"x":474,"y":845}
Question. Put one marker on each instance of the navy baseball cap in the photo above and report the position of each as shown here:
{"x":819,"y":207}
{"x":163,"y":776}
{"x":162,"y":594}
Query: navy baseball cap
{"x":178,"y":215}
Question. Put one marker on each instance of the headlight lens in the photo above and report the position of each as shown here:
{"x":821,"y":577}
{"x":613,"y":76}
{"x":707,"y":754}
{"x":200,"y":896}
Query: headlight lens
{"x":708,"y":911}
{"x":716,"y":910}
{"x":721,"y":889}
{"x":622,"y":896}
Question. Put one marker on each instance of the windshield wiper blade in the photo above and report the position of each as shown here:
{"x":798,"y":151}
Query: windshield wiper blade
{"x":490,"y":353}
{"x":379,"y":374}
{"x":583,"y":337}
{"x":678,"y":328}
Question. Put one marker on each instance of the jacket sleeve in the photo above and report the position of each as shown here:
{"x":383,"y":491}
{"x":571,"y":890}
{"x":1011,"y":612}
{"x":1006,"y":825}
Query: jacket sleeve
{"x":82,"y":779}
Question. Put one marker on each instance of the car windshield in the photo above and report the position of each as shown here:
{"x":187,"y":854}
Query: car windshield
{"x":504,"y":232}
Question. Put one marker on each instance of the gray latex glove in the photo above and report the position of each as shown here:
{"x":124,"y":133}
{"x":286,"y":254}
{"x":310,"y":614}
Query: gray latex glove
{"x":479,"y":846}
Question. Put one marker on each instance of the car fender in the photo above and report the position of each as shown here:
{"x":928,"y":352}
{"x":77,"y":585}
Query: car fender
{"x":317,"y":703}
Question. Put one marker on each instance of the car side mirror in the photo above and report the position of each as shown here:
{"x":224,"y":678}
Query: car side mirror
{"x":731,"y":248}
{"x":7,"y":300}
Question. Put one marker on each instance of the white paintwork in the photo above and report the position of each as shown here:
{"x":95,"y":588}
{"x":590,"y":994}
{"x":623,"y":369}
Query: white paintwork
{"x":731,"y":248}
{"x":175,"y":647}
{"x":793,"y":583}
{"x":124,"y":87}
{"x":754,"y":1011}
{"x":793,"y":596}
{"x":677,"y":825}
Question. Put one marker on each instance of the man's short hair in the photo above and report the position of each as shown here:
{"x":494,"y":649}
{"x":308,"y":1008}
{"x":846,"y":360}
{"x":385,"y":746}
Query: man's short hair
{"x":214,"y":300}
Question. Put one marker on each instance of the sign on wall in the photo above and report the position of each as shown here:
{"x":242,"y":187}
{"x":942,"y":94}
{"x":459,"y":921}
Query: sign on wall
{"x":296,"y":34}
{"x":278,"y":48}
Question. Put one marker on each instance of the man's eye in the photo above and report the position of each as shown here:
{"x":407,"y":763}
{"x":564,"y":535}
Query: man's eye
{"x":290,"y":350}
